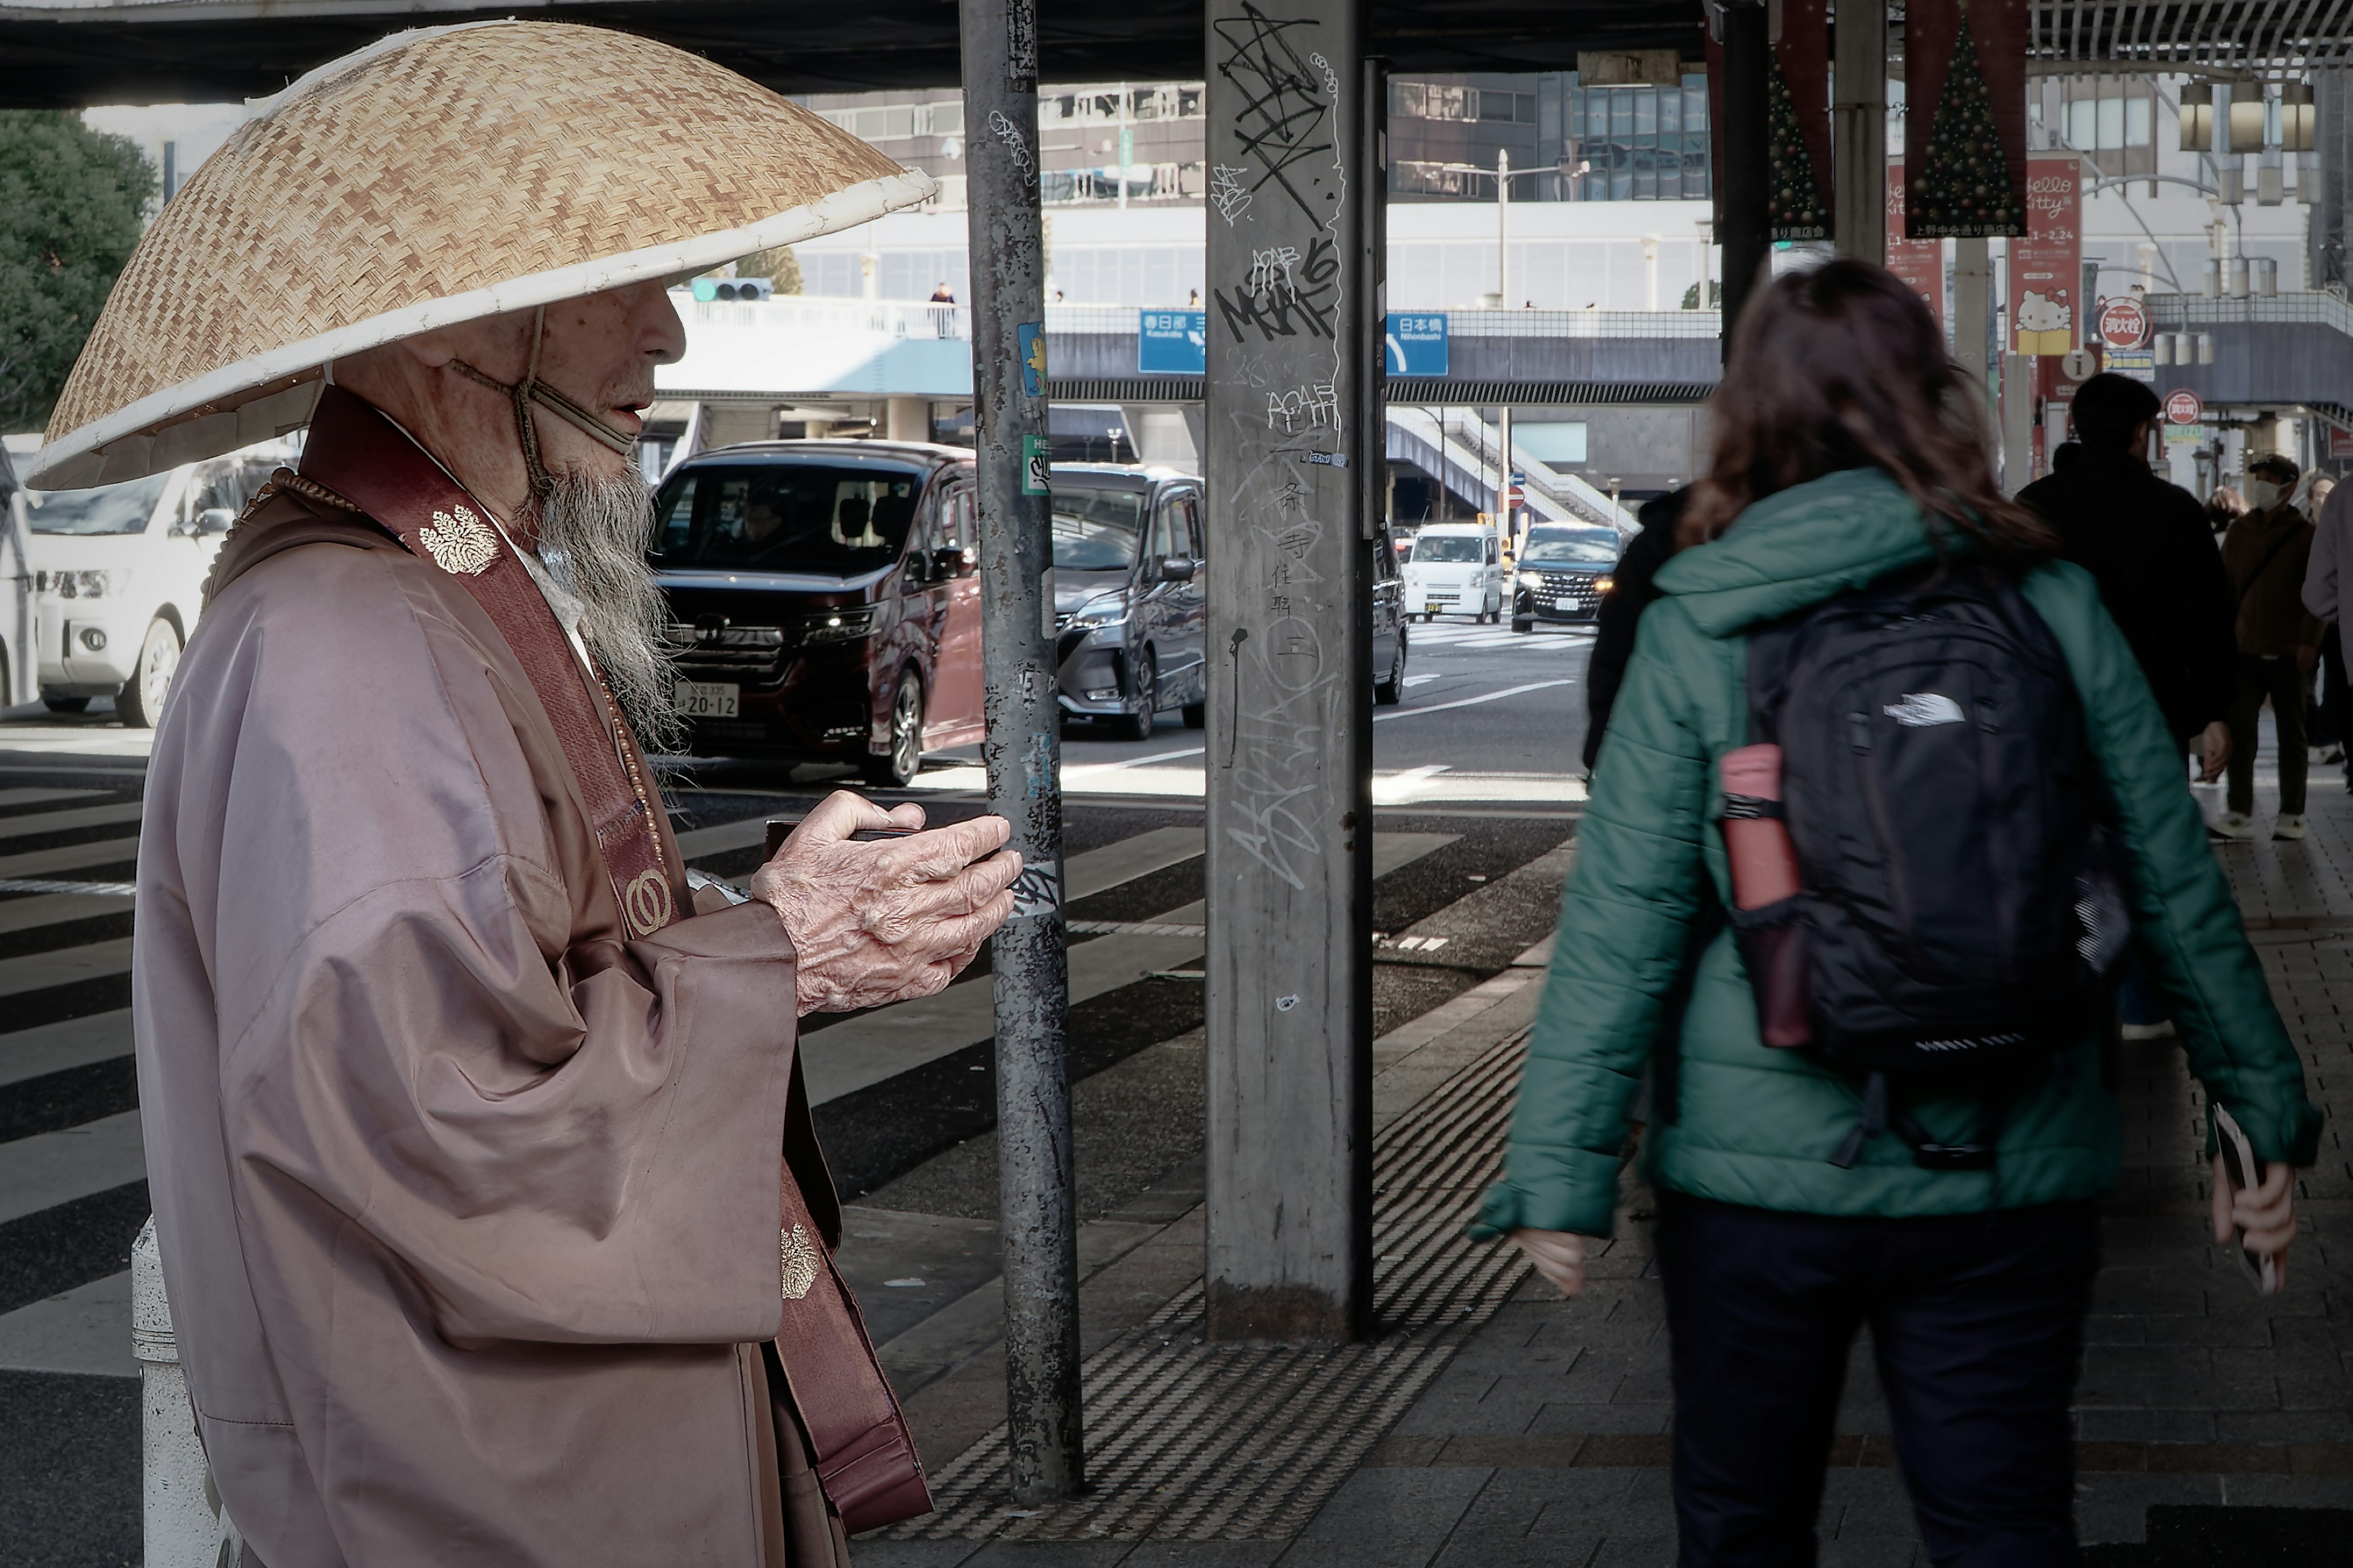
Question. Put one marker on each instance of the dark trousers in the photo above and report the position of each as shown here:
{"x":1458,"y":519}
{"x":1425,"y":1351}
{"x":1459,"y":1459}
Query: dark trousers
{"x":2281,"y":683}
{"x":1977,"y":1324}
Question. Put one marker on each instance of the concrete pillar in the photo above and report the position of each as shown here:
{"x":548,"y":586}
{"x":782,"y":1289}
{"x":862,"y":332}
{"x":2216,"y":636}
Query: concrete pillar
{"x":909,"y":420}
{"x":1859,"y":131}
{"x":1288,"y":982}
{"x":1744,"y":230}
{"x":1972,"y":304}
{"x":185,"y":1523}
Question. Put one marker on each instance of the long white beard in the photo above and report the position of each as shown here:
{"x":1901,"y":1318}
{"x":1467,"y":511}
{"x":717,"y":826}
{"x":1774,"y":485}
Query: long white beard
{"x":593,"y":535}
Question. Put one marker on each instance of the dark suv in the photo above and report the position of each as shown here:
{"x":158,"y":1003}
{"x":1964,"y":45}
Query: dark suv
{"x":1564,"y":571}
{"x":825,"y":601}
{"x":1129,"y":617}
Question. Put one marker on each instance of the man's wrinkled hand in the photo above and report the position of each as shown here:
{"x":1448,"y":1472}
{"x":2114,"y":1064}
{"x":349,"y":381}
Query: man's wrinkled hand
{"x":2266,"y":1212}
{"x":884,"y":922}
{"x":2214,"y":748}
{"x":1558,"y":1255}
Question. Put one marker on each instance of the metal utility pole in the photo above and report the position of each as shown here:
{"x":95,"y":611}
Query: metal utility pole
{"x":1502,"y":229}
{"x":1037,"y":1197}
{"x":1745,"y":231}
{"x":1290,"y":435}
{"x":1859,"y":131}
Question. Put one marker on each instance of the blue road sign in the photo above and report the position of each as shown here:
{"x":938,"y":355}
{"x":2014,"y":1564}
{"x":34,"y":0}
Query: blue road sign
{"x":1417,"y":344}
{"x":1172,"y":342}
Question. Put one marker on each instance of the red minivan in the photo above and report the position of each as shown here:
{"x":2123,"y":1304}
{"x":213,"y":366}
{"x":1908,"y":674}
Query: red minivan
{"x":825,"y":601}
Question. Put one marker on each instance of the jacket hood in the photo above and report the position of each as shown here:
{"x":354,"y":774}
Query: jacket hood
{"x":1800,"y":546}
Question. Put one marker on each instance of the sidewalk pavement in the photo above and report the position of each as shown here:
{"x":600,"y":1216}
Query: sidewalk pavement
{"x":2213,"y":1427}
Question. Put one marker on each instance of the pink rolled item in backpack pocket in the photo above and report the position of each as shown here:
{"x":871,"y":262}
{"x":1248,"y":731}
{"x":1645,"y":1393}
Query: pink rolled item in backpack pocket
{"x":1767,"y":923}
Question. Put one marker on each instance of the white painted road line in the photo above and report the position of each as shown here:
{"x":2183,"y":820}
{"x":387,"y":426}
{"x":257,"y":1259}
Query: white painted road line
{"x":52,"y":1168}
{"x":55,"y":1047}
{"x":65,"y":821}
{"x":9,"y":797}
{"x":85,"y":1330}
{"x":44,"y":863}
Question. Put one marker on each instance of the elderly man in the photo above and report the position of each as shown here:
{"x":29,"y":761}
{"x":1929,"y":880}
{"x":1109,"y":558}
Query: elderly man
{"x":493,"y":1225}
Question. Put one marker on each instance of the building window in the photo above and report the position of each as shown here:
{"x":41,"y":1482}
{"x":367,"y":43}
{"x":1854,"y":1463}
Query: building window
{"x":2111,"y":119}
{"x":1636,"y":144}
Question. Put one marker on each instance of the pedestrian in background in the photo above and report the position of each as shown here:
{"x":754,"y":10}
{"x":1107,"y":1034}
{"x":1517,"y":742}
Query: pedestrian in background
{"x":1634,"y":585}
{"x":2266,"y":553}
{"x":2327,"y":580}
{"x":1849,"y":456}
{"x":2147,"y":544}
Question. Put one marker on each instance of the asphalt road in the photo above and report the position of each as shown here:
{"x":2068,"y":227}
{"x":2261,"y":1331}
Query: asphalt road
{"x":1475,"y":779}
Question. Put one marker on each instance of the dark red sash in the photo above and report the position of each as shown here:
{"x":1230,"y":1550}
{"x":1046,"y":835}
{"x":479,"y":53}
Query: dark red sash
{"x":865,"y":1457}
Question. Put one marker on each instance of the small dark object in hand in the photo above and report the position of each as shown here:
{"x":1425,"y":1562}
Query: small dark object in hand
{"x":780,"y":826}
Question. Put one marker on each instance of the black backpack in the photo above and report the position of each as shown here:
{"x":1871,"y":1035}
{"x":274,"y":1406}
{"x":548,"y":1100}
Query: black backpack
{"x":1959,"y":908}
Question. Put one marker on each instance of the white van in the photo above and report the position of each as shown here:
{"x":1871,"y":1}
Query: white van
{"x":119,"y":575}
{"x":1456,"y":569}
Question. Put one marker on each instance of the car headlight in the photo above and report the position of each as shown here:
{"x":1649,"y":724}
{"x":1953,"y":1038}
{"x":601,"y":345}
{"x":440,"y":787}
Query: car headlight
{"x":1603,"y":584}
{"x":82,"y":584}
{"x":1530,"y":581}
{"x":1101,"y":615}
{"x":849,"y":624}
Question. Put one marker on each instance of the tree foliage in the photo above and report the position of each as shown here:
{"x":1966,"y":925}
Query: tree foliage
{"x":777,"y":264}
{"x":71,"y":202}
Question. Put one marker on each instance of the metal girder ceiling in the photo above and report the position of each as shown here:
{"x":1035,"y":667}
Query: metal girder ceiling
{"x":2267,"y":37}
{"x":69,"y":54}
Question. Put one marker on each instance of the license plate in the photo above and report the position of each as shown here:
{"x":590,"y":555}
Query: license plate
{"x":707,"y":699}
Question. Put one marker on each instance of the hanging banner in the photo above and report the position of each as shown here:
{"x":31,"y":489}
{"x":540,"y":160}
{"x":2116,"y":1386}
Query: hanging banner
{"x":1798,"y":123}
{"x":1965,"y":118}
{"x":2046,"y":263}
{"x":1920,"y":263}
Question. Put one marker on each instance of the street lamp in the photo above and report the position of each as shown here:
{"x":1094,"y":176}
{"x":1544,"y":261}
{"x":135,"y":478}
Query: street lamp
{"x":1502,"y":174}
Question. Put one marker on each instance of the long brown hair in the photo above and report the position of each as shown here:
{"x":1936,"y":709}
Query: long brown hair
{"x":1843,"y":367}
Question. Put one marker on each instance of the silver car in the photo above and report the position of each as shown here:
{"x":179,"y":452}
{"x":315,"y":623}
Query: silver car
{"x":1129,"y":617}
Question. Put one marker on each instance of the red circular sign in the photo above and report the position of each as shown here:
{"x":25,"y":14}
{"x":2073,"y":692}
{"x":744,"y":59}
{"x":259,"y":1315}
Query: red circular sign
{"x":2182,"y":407}
{"x":2124,"y":323}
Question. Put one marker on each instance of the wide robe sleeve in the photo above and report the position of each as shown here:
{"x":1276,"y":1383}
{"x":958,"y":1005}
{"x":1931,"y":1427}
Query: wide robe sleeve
{"x":544,"y":1136}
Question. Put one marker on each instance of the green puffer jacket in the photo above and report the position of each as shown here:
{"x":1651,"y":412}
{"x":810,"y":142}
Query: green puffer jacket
{"x":1757,"y":1126}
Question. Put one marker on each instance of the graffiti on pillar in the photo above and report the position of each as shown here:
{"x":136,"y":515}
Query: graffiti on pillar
{"x":1015,"y":142}
{"x":1285,"y":116}
{"x":1283,"y":294}
{"x":1227,"y":192}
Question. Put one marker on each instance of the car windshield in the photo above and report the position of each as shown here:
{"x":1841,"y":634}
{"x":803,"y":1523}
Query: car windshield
{"x":109,"y":509}
{"x":838,"y":519}
{"x":1448,"y":547}
{"x":1569,"y":547}
{"x":1096,"y":530}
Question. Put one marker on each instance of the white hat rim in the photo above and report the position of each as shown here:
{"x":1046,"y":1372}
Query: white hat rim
{"x":150,"y":436}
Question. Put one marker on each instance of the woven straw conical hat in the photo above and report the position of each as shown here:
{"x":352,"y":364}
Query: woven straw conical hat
{"x":437,"y":177}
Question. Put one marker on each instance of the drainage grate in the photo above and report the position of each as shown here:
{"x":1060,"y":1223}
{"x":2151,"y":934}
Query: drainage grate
{"x":1187,"y":1441}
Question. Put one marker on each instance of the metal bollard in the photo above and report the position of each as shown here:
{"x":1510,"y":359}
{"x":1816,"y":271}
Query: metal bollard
{"x":186,"y":1524}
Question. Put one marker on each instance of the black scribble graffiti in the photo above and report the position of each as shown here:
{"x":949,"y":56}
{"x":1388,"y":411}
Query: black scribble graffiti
{"x":1234,"y":651}
{"x":1283,"y":298}
{"x":1284,"y":118}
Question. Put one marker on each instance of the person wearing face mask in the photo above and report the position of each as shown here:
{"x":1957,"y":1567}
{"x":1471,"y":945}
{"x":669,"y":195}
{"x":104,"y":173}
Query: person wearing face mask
{"x":2266,"y":553}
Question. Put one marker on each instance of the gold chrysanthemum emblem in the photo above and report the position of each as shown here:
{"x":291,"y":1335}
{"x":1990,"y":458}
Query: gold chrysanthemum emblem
{"x":460,"y":543}
{"x":800,"y":1264}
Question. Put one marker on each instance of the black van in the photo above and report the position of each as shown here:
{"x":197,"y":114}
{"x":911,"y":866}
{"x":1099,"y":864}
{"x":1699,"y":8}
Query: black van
{"x":825,"y":601}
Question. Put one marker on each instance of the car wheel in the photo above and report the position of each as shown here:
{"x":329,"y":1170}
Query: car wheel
{"x":1196,"y":715}
{"x":898,"y":766}
{"x":140,"y":701}
{"x":1138,"y":726}
{"x":64,"y":704}
{"x":1390,"y":689}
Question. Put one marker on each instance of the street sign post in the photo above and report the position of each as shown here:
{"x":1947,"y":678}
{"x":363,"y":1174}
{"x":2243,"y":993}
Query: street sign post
{"x":2124,"y":323}
{"x":1171,"y":343}
{"x":1417,"y":344}
{"x":2079,"y":364}
{"x":2183,"y":407}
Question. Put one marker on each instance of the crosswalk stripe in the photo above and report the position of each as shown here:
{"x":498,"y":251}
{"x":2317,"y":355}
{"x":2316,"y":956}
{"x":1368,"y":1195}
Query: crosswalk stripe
{"x":44,"y":863}
{"x":62,"y":1046}
{"x":40,"y":821}
{"x":39,"y":971}
{"x":10,"y":798}
{"x":52,"y":1168}
{"x":19,"y":914}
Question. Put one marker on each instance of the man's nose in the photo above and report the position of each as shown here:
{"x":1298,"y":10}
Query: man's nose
{"x":660,"y":335}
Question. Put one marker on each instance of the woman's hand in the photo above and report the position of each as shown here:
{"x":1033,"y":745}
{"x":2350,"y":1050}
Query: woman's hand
{"x":2266,"y":1212}
{"x":888,"y":920}
{"x":1558,"y":1255}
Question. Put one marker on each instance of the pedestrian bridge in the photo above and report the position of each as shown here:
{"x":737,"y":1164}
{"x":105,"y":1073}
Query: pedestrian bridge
{"x":784,"y":351}
{"x":2270,"y":351}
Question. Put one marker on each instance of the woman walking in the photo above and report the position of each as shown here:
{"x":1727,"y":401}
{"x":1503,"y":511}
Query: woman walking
{"x":1815,"y":1183}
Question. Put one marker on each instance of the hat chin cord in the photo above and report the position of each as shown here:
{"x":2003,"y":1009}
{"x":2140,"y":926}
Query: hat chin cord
{"x":530,"y":390}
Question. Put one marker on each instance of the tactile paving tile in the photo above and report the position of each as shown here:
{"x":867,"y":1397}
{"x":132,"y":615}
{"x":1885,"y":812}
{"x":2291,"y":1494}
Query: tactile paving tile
{"x":1192,"y":1441}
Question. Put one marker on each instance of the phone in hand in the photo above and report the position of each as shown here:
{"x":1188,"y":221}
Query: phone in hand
{"x":2246,"y":1173}
{"x":780,"y":827}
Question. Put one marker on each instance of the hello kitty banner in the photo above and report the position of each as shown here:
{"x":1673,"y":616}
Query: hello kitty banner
{"x":2046,"y":262}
